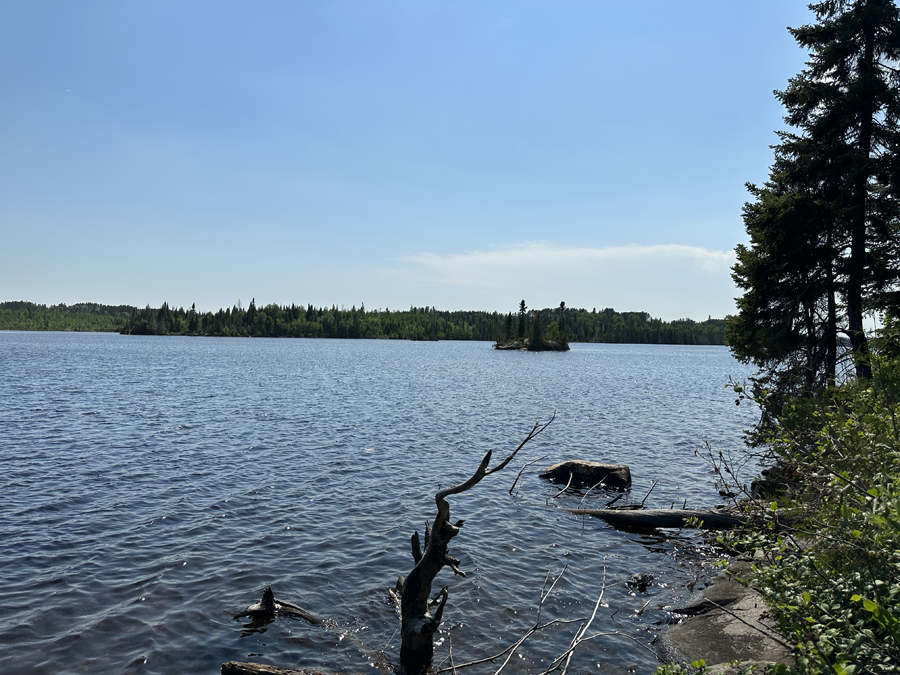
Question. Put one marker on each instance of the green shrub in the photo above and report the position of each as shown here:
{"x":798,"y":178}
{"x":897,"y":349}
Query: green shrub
{"x":830,"y":567}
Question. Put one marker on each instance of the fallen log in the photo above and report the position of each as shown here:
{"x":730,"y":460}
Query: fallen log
{"x":665,"y":518}
{"x":241,"y":668}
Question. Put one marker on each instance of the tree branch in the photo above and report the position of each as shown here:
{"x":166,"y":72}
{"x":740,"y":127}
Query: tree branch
{"x":535,"y":430}
{"x":417,"y":623}
{"x":525,"y":466}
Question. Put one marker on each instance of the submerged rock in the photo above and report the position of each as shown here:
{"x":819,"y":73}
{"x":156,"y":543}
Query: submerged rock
{"x":640,"y":582}
{"x":730,"y":622}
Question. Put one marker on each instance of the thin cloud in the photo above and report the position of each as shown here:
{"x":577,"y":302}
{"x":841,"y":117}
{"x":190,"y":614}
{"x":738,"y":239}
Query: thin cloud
{"x":667,"y":280}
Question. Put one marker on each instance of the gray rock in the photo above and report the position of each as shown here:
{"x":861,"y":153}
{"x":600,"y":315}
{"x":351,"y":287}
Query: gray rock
{"x":729,"y":622}
{"x":612,"y":476}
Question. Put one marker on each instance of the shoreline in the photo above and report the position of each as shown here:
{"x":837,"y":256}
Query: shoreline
{"x":727,"y":622}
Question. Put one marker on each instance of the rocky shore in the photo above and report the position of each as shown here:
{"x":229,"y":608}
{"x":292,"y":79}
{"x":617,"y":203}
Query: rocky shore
{"x":729,"y":622}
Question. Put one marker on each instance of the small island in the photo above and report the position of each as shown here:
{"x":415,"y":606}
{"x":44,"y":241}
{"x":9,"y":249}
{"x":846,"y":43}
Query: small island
{"x":530,"y":335}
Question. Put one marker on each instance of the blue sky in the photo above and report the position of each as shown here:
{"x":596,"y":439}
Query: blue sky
{"x":459,"y":154}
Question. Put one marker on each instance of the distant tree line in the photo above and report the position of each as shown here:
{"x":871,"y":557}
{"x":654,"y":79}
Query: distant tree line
{"x":416,"y":323}
{"x":82,"y":316}
{"x":419,"y":323}
{"x":611,"y":326}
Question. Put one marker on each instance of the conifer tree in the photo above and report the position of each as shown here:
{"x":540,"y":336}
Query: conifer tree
{"x":536,"y":339}
{"x":823,"y":229}
{"x":562,"y":323}
{"x":520,"y":328}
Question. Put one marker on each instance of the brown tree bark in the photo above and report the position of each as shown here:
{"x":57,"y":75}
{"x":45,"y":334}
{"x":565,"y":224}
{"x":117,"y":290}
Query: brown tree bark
{"x":858,"y":239}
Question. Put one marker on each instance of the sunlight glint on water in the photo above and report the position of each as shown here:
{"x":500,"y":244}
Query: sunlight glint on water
{"x":153,"y":486}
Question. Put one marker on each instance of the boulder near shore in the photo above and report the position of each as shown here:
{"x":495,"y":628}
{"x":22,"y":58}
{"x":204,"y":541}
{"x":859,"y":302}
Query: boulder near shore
{"x":588,"y":474}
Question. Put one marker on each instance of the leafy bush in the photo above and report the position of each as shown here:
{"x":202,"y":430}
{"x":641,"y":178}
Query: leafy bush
{"x":829,"y":566}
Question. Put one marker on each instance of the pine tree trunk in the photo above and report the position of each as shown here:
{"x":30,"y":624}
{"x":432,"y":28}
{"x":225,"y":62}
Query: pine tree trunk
{"x":858,"y":231}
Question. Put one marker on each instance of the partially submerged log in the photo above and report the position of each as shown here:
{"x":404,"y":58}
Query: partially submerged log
{"x":268,"y":608}
{"x":580,"y":473}
{"x":665,"y":518}
{"x":241,"y":668}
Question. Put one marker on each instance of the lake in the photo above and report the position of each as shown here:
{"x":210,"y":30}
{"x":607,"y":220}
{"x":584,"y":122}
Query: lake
{"x":154,"y":486}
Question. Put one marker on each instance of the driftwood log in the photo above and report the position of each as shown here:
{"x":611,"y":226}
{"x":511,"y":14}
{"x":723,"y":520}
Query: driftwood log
{"x":418,"y":624}
{"x":665,"y":518}
{"x":581,"y":473}
{"x":241,"y":668}
{"x":268,"y":608}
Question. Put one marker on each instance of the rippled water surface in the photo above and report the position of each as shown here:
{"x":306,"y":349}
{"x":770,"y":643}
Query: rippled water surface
{"x":152,"y":487}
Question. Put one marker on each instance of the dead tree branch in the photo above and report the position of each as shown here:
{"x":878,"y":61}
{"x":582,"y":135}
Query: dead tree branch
{"x":566,"y":656}
{"x":655,"y":482}
{"x":418,"y":624}
{"x":561,"y":662}
{"x":545,"y":593}
{"x":525,"y":466}
{"x":557,"y":495}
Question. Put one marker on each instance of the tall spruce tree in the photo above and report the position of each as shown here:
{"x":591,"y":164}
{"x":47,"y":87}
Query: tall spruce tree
{"x":520,"y":326}
{"x":823,"y":229}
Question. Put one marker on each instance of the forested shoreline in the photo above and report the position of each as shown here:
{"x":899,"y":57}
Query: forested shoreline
{"x":82,"y":317}
{"x":416,"y":323}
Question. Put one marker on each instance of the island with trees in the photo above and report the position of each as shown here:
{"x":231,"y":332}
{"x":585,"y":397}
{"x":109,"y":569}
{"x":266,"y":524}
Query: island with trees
{"x":530,"y":334}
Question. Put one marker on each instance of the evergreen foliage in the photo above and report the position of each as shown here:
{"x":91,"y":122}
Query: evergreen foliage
{"x":520,"y":326}
{"x":82,"y":316}
{"x":417,"y":323}
{"x":824,"y":228}
{"x":561,"y":323}
{"x":536,"y":336}
{"x":825,"y":245}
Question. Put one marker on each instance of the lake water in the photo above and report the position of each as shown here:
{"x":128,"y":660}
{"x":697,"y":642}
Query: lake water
{"x":152,"y":487}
